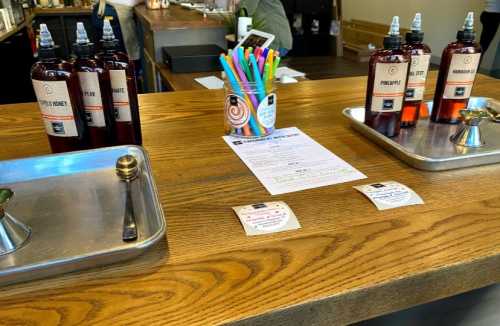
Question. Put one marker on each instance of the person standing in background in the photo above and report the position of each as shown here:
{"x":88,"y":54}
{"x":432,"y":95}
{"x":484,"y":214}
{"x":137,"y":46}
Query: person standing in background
{"x":273,"y":16}
{"x":490,"y":18}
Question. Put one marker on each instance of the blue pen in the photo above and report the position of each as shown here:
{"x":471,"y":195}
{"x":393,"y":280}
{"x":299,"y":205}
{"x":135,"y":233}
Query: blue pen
{"x":258,"y":79}
{"x":237,"y":89}
{"x":265,"y":53}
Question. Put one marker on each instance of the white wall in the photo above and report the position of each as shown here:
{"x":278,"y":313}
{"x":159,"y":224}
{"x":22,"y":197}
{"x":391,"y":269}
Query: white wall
{"x":441,"y":19}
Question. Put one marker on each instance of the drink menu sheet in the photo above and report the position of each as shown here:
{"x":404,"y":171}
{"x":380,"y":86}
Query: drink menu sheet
{"x":289,"y":161}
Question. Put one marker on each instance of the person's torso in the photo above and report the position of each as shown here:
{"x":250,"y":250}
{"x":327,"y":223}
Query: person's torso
{"x":272,"y":14}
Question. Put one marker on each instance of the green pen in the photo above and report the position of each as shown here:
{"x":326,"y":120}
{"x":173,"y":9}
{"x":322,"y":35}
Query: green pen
{"x":275,"y":66}
{"x":267,"y":71}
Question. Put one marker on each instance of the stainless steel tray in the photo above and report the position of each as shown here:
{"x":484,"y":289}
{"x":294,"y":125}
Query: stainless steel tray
{"x":74,"y":204}
{"x":427,"y":146}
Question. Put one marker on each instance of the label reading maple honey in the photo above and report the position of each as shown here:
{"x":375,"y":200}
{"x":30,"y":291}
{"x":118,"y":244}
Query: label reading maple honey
{"x":56,"y":108}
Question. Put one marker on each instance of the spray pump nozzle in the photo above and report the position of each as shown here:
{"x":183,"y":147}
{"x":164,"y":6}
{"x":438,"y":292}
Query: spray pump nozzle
{"x":81,"y":34}
{"x":416,"y":24}
{"x":46,"y":40}
{"x":469,"y":22}
{"x":394,"y":30}
{"x":107,"y":31}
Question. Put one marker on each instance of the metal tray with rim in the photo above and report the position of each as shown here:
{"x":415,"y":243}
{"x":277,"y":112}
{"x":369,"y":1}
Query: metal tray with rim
{"x":74,"y":203}
{"x":428,"y":146}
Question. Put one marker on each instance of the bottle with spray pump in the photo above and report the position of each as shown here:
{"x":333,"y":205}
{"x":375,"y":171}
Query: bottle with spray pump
{"x":96,"y":91}
{"x":457,"y":71}
{"x":123,"y":88}
{"x":58,"y":93}
{"x":387,"y":77}
{"x":420,"y":58}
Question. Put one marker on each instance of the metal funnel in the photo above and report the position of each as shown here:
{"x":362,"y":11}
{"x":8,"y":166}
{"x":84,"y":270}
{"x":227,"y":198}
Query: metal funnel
{"x":469,"y":133}
{"x":13,"y":233}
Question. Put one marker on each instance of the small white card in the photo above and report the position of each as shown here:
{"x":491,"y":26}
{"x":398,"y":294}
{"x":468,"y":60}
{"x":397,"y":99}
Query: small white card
{"x":285,"y":71}
{"x":210,"y":82}
{"x":265,"y":218}
{"x":390,"y":194}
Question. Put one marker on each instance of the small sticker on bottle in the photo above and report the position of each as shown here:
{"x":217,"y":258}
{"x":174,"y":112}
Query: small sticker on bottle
{"x":461,"y":75}
{"x":121,"y":101}
{"x":92,"y":100}
{"x":389,"y":87}
{"x":56,"y":108}
{"x":266,"y":113}
{"x":417,"y":76}
{"x":236,"y":111}
{"x":389,"y":194}
{"x":264,"y":218}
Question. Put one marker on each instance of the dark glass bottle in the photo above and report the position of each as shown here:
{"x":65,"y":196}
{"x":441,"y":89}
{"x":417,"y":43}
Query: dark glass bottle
{"x":58,"y":93}
{"x":123,"y":89}
{"x":387,"y":77}
{"x":457,"y":72}
{"x":96,"y":91}
{"x":420,"y":58}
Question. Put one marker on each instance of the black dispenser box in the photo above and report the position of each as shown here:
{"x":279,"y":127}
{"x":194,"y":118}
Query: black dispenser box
{"x":192,"y":58}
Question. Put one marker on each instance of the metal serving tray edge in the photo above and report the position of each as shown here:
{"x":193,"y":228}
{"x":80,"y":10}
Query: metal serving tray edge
{"x":102,"y":247}
{"x":427,"y":147}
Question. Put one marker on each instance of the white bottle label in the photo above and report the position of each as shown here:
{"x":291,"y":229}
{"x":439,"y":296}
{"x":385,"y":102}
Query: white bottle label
{"x":416,"y":78}
{"x":461,"y":75}
{"x":92,"y":100}
{"x":266,"y":112}
{"x":389,"y":87}
{"x":55,"y":105}
{"x":121,"y":103}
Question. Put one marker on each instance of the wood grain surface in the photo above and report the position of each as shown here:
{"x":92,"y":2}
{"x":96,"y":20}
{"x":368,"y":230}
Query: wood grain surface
{"x":348,"y":262}
{"x":182,"y":81}
{"x":62,"y":11}
{"x":175,"y":17}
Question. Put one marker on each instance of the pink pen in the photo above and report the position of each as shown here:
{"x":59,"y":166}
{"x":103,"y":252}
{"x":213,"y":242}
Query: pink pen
{"x":256,"y":52}
{"x":262,"y":61}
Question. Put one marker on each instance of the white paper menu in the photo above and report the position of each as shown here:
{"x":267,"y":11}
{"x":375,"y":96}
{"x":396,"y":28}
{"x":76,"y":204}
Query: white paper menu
{"x":289,"y":160}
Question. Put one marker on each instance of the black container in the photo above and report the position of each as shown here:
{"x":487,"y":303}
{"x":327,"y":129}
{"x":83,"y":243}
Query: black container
{"x":192,"y":58}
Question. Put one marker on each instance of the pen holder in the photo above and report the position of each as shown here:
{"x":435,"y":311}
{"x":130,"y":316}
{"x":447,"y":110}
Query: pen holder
{"x":250,"y":111}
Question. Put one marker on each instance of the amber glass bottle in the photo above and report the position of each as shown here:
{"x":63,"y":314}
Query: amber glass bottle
{"x":123,"y":89}
{"x":420,"y":58}
{"x":459,"y":64}
{"x":387,"y":77}
{"x":96,"y":91}
{"x":58,"y":93}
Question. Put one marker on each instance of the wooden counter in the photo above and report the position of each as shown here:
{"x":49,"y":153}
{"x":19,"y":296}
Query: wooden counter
{"x":175,"y":17}
{"x":348,"y":262}
{"x":174,"y":26}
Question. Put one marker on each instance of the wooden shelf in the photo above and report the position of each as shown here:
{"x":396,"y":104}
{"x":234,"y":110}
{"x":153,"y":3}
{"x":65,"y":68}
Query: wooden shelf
{"x":175,"y":17}
{"x":63,"y":11}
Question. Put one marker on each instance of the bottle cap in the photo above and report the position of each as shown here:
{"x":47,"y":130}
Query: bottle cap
{"x":416,"y":34}
{"x":47,"y":48}
{"x":467,"y":33}
{"x":82,"y":46}
{"x":108,"y":40}
{"x":393,"y":40}
{"x":81,"y":34}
